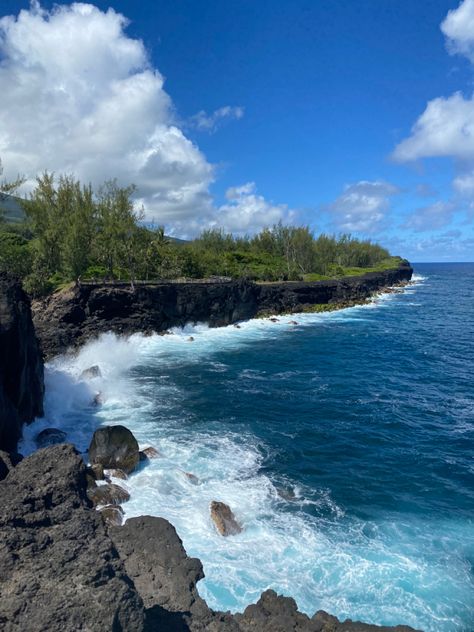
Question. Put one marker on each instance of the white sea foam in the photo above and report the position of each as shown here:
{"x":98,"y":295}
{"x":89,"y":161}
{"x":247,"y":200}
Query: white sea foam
{"x":322,"y":558}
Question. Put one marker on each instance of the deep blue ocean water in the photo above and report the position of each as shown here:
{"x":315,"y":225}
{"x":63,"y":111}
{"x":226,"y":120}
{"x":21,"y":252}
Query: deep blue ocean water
{"x":344,"y":445}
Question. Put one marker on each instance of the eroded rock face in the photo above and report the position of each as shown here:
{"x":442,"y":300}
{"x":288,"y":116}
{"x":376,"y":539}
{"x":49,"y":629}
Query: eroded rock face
{"x":58,"y":569}
{"x":21,"y":364}
{"x":8,"y":460}
{"x":224,"y":519}
{"x":114,"y":447}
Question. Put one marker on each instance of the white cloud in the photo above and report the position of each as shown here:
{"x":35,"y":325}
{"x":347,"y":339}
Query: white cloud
{"x":446,"y":128}
{"x":79,"y":95}
{"x":246,"y":211}
{"x":458,"y":27}
{"x":211,"y":122}
{"x":431,"y":217}
{"x":362,"y":207}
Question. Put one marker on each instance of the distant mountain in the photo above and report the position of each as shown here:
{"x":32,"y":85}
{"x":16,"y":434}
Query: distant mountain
{"x":12,"y":208}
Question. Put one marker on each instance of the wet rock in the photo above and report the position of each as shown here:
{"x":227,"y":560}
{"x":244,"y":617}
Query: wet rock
{"x":59,"y":571}
{"x":98,"y":399}
{"x":191,"y":338}
{"x":112,"y":515}
{"x":237,"y":326}
{"x":91,"y":372}
{"x":109,"y":494}
{"x":192,"y":478}
{"x":275,"y":320}
{"x":149,"y":453}
{"x":293,"y":322}
{"x":117,"y":474}
{"x":97,"y":471}
{"x":50,"y":436}
{"x":114,"y":447}
{"x":224,"y":519}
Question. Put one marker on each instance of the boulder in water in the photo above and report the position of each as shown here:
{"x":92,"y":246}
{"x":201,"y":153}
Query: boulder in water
{"x":109,"y":494}
{"x":114,"y":447}
{"x":275,"y":320}
{"x":50,"y":436}
{"x":149,"y":453}
{"x":224,"y":519}
{"x":192,"y":478}
{"x":112,"y":515}
{"x":91,"y":372}
{"x":117,"y":474}
{"x":191,"y":338}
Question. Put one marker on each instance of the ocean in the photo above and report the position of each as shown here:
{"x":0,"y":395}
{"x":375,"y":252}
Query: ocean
{"x":343,"y":444}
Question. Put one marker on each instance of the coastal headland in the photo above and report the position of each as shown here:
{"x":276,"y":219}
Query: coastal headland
{"x":63,"y":564}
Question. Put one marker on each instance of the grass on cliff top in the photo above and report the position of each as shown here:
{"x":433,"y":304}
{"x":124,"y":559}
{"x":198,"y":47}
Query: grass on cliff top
{"x":337,"y":272}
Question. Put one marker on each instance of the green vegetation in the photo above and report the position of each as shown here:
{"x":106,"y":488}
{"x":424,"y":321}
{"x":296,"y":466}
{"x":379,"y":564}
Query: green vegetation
{"x":71,"y":232}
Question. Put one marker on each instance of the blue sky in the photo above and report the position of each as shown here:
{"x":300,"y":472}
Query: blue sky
{"x":241,"y":113}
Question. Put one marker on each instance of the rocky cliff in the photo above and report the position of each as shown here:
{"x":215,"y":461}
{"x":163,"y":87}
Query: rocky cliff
{"x":63,"y":570}
{"x":69,"y":318}
{"x":21,"y":364}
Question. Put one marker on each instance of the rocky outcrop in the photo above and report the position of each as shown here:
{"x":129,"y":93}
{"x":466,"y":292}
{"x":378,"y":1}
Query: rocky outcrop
{"x":69,"y":318}
{"x":59,"y":571}
{"x":224,"y":519}
{"x":64,"y":566}
{"x":114,"y":447}
{"x":21,"y":364}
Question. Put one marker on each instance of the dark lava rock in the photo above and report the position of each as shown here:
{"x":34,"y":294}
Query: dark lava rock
{"x":108,"y":494}
{"x":114,"y":447}
{"x":224,"y":519}
{"x":21,"y":364}
{"x":91,"y":372}
{"x":50,"y":436}
{"x":97,"y":471}
{"x":58,"y":569}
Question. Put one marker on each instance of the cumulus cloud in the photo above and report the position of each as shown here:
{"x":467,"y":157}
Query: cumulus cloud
{"x":363,"y":206}
{"x":246,"y":211}
{"x":211,"y":122}
{"x":431,"y":217}
{"x":458,"y":27}
{"x":79,"y":95}
{"x":446,"y":127}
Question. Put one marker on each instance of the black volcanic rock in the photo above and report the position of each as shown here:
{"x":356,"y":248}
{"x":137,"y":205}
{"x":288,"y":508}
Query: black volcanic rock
{"x":69,"y":318}
{"x":21,"y":364}
{"x":58,"y":569}
{"x":114,"y":447}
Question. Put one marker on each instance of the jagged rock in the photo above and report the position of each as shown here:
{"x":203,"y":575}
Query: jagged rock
{"x":91,"y":372}
{"x":58,"y":569}
{"x":21,"y":364}
{"x":7,"y":462}
{"x":224,"y":519}
{"x":109,"y":494}
{"x":114,"y":447}
{"x":50,"y":436}
{"x":112,"y":515}
{"x":117,"y":474}
{"x":149,"y":453}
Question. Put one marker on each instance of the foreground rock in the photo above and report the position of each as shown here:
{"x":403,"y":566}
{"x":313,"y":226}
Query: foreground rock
{"x":114,"y":447}
{"x":21,"y":364}
{"x":64,"y":567}
{"x":224,"y":519}
{"x":58,"y":569}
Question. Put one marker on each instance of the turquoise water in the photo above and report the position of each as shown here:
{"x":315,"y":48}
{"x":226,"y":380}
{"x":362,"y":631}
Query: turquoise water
{"x":344,"y":445}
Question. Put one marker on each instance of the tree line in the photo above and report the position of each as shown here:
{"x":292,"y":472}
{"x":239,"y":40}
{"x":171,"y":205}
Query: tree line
{"x":72,"y":232}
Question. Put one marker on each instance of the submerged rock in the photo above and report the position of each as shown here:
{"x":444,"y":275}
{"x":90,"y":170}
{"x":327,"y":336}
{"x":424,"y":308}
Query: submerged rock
{"x":192,"y":478}
{"x":114,"y":447}
{"x":224,"y":519}
{"x":91,"y":372}
{"x":50,"y":436}
{"x":149,"y":453}
{"x":109,"y":494}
